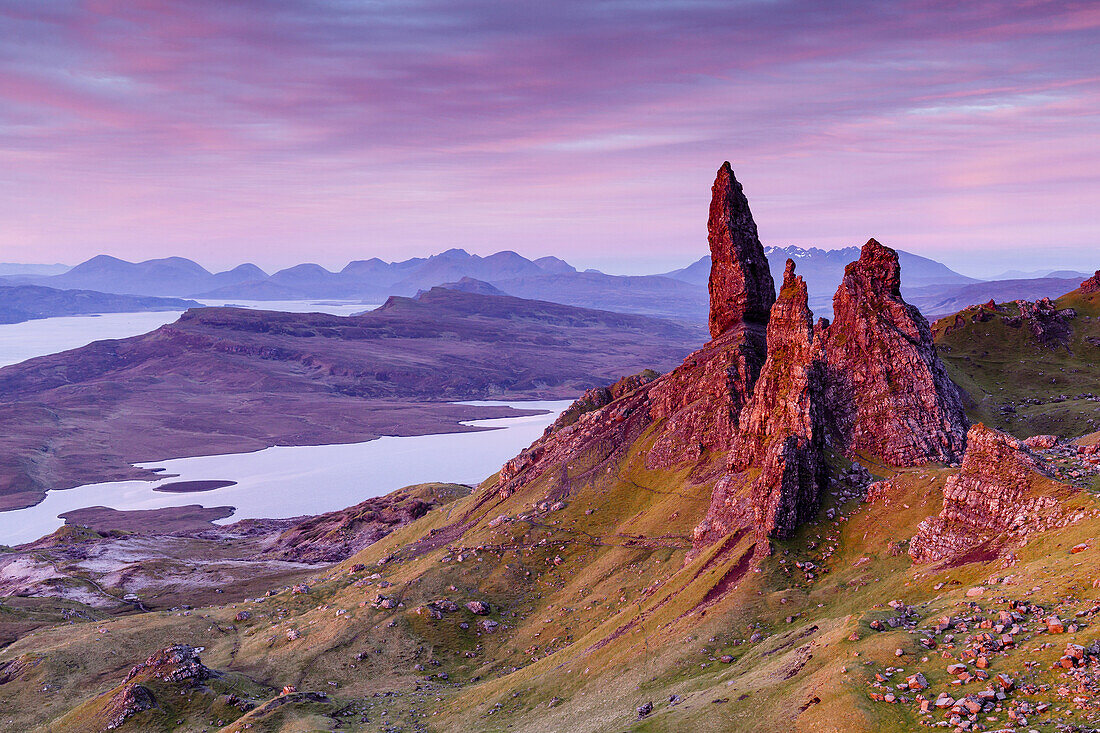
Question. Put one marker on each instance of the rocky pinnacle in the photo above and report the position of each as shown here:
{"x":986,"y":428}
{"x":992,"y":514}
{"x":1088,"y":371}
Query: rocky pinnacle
{"x":741,"y":286}
{"x":887,"y":392}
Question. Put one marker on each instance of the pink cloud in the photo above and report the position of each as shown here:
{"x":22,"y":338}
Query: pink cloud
{"x":264,"y":131}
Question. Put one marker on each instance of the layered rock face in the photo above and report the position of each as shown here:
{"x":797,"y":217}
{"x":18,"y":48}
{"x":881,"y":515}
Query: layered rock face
{"x":995,"y":493}
{"x":887,"y":393}
{"x":781,"y":428}
{"x":1092,"y":285}
{"x":741,"y":286}
{"x":702,"y":400}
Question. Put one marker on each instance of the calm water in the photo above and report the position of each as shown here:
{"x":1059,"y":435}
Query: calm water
{"x":291,"y":481}
{"x":22,"y":341}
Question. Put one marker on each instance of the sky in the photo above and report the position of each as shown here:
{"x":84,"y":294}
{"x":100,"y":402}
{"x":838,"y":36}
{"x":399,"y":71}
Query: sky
{"x":279,"y":132}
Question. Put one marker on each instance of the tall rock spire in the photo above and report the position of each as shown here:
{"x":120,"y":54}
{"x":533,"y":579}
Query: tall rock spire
{"x":741,"y":286}
{"x":786,"y":399}
{"x":887,"y":393}
{"x":780,"y":432}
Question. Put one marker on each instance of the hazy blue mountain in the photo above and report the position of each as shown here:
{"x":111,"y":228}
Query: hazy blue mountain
{"x":22,"y":268}
{"x":20,"y":303}
{"x":1033,"y":274}
{"x":823,"y":269}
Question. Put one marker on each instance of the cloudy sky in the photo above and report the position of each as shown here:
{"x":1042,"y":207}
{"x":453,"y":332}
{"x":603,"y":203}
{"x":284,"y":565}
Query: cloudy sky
{"x":330,"y":130}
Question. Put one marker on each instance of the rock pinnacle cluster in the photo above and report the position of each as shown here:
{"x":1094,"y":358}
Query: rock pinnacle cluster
{"x":772,"y":390}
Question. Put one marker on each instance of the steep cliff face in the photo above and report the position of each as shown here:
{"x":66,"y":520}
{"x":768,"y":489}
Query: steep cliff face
{"x":741,"y":286}
{"x":781,"y":428}
{"x":887,"y":392}
{"x":1092,"y":285}
{"x":700,"y":402}
{"x":999,"y":490}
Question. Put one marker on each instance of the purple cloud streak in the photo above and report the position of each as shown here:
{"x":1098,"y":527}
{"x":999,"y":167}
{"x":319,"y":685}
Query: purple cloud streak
{"x":281,"y":131}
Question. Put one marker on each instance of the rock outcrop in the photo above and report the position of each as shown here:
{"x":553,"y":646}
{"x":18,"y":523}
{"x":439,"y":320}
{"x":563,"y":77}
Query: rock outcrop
{"x":179,"y":663}
{"x":781,"y":428}
{"x":1000,"y":491}
{"x":741,"y":286}
{"x":887,"y":392}
{"x":1092,"y":285}
{"x":1049,"y":324}
{"x":701,"y":401}
{"x":597,"y":397}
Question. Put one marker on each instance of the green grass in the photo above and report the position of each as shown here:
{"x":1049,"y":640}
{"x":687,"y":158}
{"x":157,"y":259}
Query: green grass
{"x":998,"y":365}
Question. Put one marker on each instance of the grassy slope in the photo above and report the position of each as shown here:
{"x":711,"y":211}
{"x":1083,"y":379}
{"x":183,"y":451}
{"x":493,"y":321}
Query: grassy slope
{"x":997,"y":364}
{"x":623,"y":619}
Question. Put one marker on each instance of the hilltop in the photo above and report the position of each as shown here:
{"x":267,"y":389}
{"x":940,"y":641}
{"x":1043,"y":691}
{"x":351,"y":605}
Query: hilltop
{"x":231,"y":380}
{"x":1030,"y":367}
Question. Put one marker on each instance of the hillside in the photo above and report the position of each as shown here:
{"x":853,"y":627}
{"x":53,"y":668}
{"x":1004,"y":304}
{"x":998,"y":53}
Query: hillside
{"x":795,"y":529}
{"x":21,"y":303}
{"x":224,"y":380}
{"x":1030,"y":368}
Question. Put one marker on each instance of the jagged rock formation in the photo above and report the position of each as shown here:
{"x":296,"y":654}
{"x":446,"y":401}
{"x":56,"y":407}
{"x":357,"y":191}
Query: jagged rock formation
{"x":701,"y":401}
{"x":769,"y":390}
{"x":1092,"y":285}
{"x":781,"y":428}
{"x":741,"y":285}
{"x":999,"y":490}
{"x":887,"y":392}
{"x":786,"y":397}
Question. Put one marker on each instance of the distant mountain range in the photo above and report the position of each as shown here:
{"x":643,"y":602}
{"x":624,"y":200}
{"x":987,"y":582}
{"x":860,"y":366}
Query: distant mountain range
{"x":823,"y":269}
{"x":20,"y":268}
{"x":372,"y":281}
{"x":20,"y":303}
{"x":681,"y":294}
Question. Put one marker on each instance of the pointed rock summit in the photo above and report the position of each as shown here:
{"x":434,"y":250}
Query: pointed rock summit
{"x":786,"y":398}
{"x":741,"y":285}
{"x":781,"y":428}
{"x":887,"y":392}
{"x":700,"y":402}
